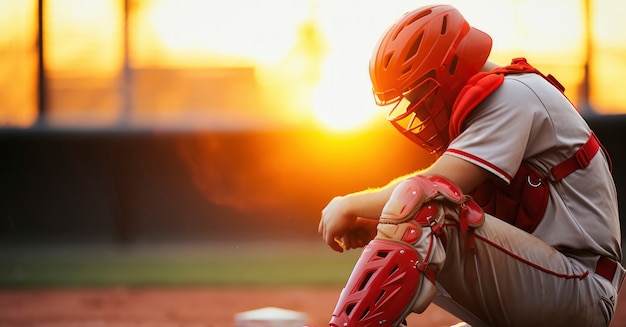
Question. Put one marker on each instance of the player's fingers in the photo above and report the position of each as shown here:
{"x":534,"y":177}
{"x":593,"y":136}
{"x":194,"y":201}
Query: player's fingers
{"x":329,"y":239}
{"x":340,"y":243}
{"x":354,"y":242}
{"x":335,"y":245}
{"x":364,"y":237}
{"x":347,"y":242}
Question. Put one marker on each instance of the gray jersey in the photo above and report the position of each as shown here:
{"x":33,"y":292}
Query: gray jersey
{"x":527,"y":118}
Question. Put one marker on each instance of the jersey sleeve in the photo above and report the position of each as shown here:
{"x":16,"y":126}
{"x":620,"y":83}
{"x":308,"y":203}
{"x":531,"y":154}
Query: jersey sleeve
{"x":497,"y":134}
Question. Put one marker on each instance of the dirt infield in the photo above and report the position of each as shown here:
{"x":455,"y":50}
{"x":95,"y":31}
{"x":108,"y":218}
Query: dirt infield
{"x":168,"y":307}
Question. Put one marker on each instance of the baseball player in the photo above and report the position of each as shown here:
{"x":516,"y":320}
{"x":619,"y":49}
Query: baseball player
{"x":515,"y":223}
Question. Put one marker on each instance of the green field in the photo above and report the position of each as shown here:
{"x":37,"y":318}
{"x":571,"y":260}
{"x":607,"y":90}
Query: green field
{"x":255,"y":264}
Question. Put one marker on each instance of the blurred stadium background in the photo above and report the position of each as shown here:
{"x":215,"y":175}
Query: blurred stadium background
{"x":199,"y":135}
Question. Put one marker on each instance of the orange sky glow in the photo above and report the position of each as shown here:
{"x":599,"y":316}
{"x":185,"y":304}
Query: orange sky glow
{"x":310,"y":57}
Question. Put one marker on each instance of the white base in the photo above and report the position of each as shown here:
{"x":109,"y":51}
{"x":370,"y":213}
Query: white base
{"x":270,"y":317}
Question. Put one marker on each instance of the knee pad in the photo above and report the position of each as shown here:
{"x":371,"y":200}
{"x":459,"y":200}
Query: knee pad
{"x":395,"y":274}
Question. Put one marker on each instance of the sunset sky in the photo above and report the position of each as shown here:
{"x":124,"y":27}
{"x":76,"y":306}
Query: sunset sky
{"x":315,"y":52}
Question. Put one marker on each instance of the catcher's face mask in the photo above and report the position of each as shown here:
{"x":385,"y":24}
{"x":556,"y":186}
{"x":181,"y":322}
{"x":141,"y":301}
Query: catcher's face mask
{"x":421,"y":115}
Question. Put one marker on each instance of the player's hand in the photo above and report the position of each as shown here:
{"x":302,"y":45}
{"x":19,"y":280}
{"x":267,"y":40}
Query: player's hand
{"x":339,"y":223}
{"x":362,"y":232}
{"x":336,"y":220}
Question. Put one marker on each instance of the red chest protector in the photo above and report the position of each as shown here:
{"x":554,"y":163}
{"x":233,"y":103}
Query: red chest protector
{"x":523,"y":202}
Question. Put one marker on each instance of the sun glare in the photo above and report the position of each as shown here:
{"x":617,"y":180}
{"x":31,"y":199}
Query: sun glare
{"x":92,"y":50}
{"x":340,"y":112}
{"x":343,"y":100}
{"x":309,"y":58}
{"x":207,"y":33}
{"x":324,"y":76}
{"x":313,"y":53}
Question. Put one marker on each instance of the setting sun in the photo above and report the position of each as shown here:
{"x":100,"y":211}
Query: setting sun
{"x":313,"y":53}
{"x":342,"y":106}
{"x":276,"y":63}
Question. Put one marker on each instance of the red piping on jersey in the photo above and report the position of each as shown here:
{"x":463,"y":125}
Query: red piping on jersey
{"x":482,"y":161}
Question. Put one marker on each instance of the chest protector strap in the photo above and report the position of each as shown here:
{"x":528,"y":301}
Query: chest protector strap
{"x":523,"y":202}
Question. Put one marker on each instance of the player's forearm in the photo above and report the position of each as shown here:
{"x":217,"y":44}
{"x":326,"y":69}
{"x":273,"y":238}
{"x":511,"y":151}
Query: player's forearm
{"x":369,"y":203}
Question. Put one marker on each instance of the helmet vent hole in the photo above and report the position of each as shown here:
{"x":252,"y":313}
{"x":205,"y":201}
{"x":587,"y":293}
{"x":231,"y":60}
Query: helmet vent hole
{"x":444,"y":25}
{"x":413,"y":20}
{"x":414,"y":47}
{"x":419,"y":16}
{"x":388,"y":60}
{"x":366,"y":280}
{"x":382,"y":254}
{"x":455,"y":61}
